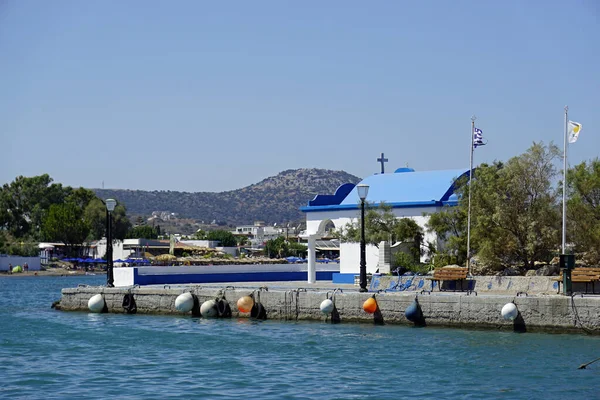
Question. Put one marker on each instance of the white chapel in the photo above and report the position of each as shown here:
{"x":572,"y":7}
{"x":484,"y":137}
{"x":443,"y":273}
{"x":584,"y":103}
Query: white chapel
{"x":411,"y":194}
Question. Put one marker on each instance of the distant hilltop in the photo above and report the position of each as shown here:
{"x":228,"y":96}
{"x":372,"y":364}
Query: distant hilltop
{"x":274,"y":199}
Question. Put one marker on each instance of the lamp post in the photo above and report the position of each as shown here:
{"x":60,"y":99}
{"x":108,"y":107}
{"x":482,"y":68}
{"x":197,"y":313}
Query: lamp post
{"x":110,"y":207}
{"x":362,"y":190}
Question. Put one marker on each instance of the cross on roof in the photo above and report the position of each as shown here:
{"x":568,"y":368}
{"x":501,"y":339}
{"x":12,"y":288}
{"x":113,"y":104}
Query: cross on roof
{"x":382,"y":160}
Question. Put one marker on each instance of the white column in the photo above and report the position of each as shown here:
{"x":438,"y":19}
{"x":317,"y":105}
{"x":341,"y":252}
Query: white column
{"x":312,"y":256}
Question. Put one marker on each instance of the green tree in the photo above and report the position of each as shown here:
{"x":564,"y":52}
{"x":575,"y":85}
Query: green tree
{"x":24,"y":204}
{"x":121,"y":223}
{"x":280,"y":248}
{"x":142,"y":232}
{"x":65,"y":223}
{"x":80,"y":197}
{"x":583,"y":208}
{"x":95,"y":217}
{"x":276,"y":247}
{"x":296,"y":249}
{"x":226,"y":238}
{"x":382,"y":225}
{"x":242,"y":240}
{"x":24,"y":246}
{"x":4,"y":242}
{"x":450,"y":227}
{"x":200,"y":235}
{"x":516,"y":219}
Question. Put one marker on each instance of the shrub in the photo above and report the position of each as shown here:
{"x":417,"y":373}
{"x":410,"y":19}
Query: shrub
{"x":407,"y":262}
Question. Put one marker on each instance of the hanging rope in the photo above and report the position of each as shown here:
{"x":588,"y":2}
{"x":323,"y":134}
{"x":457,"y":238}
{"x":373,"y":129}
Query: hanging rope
{"x":577,"y":319}
{"x":129,"y":303}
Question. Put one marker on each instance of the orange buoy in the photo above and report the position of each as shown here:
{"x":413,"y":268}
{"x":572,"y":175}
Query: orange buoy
{"x":244,"y":304}
{"x":370,"y":306}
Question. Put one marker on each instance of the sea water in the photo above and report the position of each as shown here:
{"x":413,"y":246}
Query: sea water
{"x":49,"y":354}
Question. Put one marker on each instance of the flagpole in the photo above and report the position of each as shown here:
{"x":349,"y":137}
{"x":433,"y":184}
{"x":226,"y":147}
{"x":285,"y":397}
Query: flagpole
{"x":564,"y":194}
{"x":473,"y":118}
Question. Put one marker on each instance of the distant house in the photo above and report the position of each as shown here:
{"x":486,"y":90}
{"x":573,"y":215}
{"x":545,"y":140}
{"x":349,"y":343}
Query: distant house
{"x":411,"y":194}
{"x":258,"y":233}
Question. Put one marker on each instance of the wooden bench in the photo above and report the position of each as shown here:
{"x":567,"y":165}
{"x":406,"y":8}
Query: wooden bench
{"x":448,"y":274}
{"x":581,"y":275}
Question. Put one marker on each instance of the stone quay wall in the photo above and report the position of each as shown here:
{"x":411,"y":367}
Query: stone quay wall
{"x":538,"y":312}
{"x":482,"y":285}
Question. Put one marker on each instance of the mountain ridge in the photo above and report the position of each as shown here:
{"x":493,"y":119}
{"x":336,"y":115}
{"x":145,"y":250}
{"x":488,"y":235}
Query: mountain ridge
{"x":274,"y":199}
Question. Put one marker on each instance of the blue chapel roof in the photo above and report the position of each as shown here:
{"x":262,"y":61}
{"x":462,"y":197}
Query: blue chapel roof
{"x":404,"y":188}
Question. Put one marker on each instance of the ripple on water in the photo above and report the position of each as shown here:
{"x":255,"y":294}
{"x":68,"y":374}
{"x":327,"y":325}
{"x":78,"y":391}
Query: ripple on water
{"x":50,"y":354}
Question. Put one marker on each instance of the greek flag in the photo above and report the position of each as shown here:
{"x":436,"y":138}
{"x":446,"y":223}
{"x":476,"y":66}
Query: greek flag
{"x":478,"y":138}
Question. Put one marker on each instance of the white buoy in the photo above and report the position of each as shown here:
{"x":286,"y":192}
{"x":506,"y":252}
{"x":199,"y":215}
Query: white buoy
{"x":509,"y":312}
{"x":326,"y":306}
{"x":208,"y":309}
{"x":96,"y":303}
{"x":184,"y":302}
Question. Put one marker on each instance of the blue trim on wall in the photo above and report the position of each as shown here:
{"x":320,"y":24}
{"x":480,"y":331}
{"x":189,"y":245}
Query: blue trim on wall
{"x":330,"y":199}
{"x":413,"y":204}
{"x":343,"y":278}
{"x":227,"y":277}
{"x":450,"y":203}
{"x":328,"y":208}
{"x":452,"y":187}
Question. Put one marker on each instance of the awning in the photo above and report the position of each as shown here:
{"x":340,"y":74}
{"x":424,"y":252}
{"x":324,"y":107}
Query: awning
{"x":327,"y":245}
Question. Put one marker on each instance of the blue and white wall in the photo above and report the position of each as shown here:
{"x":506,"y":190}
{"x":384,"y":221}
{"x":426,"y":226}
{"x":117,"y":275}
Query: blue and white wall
{"x":128,"y":276}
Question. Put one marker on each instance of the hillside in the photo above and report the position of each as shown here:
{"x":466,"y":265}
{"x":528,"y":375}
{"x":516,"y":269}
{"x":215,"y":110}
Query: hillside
{"x":274,"y":199}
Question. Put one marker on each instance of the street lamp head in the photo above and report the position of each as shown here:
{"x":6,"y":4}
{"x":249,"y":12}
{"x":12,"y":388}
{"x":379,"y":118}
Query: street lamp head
{"x":111,"y":204}
{"x":362,"y":190}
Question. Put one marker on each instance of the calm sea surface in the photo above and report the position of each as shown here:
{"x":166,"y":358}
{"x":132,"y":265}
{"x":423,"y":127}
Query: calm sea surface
{"x":64,"y":355}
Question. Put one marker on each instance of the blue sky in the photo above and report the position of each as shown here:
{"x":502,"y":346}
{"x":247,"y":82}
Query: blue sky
{"x":213,"y":96}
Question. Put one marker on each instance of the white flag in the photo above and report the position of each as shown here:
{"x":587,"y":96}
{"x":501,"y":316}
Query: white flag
{"x":574,"y":129}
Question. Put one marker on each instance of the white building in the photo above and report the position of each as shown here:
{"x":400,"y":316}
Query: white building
{"x":258,"y":233}
{"x":410,"y":194}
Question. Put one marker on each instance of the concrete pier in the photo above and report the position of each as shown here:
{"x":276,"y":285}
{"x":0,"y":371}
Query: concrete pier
{"x":542,"y":310}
